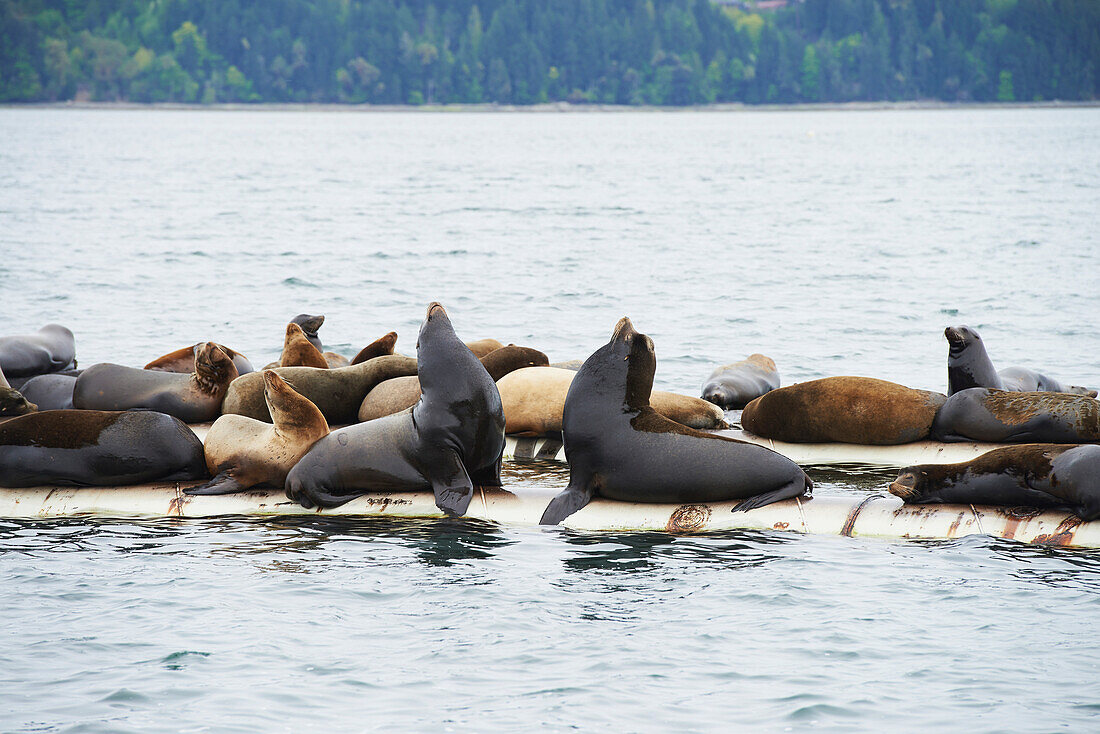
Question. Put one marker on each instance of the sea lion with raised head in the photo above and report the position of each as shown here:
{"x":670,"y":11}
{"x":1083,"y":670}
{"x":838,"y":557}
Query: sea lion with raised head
{"x":193,"y":398}
{"x":1054,"y":476}
{"x":738,"y":384}
{"x":534,"y":402}
{"x":1003,"y":416}
{"x":51,"y":349}
{"x":380,"y":347}
{"x":968,"y":365}
{"x":400,"y":393}
{"x":98,"y":448}
{"x":861,"y":410}
{"x":620,"y":448}
{"x":183,"y":360}
{"x":298,"y":351}
{"x":451,"y":441}
{"x":242,"y":452}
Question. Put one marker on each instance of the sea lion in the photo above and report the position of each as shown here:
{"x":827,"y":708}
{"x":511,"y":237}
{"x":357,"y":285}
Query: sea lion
{"x":859,"y":410}
{"x":310,"y":325}
{"x":534,"y":400}
{"x":336,"y":392}
{"x":1003,"y":416}
{"x":335,"y":360}
{"x":50,"y":392}
{"x":569,"y":364}
{"x":400,"y":393}
{"x":52,"y":349}
{"x":242,"y":452}
{"x":13,"y":402}
{"x":451,"y":441}
{"x":97,"y":448}
{"x":298,"y":351}
{"x":183,"y":360}
{"x":1065,"y":476}
{"x":618,"y":447}
{"x":738,"y":384}
{"x":380,"y":347}
{"x":481,"y":347}
{"x":968,"y":365}
{"x":193,"y":398}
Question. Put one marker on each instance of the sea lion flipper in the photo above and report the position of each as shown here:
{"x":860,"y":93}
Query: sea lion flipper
{"x":565,"y":504}
{"x":795,"y":488}
{"x":452,"y":486}
{"x":223,"y":483}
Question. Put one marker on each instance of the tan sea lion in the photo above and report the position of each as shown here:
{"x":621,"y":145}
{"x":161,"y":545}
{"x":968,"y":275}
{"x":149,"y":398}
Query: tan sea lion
{"x":534,"y":399}
{"x":193,"y":398}
{"x":336,"y":360}
{"x":859,"y":410}
{"x":242,"y":452}
{"x":380,"y":347}
{"x":336,"y":392}
{"x":298,"y":351}
{"x":183,"y":360}
{"x":481,"y":347}
{"x":400,"y":393}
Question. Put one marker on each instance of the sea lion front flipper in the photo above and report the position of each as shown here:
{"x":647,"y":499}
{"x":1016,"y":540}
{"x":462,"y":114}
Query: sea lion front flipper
{"x":488,"y":476}
{"x":794,"y":488}
{"x":566,"y":503}
{"x":451,"y":485}
{"x":223,"y":483}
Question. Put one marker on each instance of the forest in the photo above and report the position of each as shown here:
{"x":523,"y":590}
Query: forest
{"x":626,"y":52}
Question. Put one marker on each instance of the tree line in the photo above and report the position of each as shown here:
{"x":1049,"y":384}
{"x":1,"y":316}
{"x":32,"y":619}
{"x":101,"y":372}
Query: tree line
{"x":657,"y":52}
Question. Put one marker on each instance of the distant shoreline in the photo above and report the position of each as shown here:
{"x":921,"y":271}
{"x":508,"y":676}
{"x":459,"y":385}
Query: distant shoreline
{"x":553,"y":107}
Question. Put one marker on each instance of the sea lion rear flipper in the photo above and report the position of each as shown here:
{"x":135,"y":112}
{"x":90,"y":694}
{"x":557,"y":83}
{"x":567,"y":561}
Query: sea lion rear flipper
{"x":565,"y":504}
{"x":223,"y":483}
{"x":794,"y":488}
{"x":451,"y":485}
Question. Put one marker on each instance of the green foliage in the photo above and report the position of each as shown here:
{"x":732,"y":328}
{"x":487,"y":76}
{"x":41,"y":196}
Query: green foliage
{"x":663,"y":52}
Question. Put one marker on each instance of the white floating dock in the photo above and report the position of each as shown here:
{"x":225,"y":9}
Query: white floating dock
{"x":857,"y":516}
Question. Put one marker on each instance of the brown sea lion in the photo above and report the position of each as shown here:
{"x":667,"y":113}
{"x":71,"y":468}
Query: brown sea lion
{"x":242,"y":452}
{"x":859,"y":410}
{"x":336,"y":392}
{"x":380,"y":347}
{"x":619,"y":448}
{"x":193,"y":398}
{"x":393,"y":396}
{"x":738,"y":384}
{"x":1062,"y":476}
{"x":298,"y":351}
{"x":12,"y":402}
{"x":534,"y":399}
{"x":1001,"y":416}
{"x":183,"y":360}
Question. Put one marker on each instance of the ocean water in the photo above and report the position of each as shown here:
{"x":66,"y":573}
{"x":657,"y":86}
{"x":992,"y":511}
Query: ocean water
{"x":836,"y":242}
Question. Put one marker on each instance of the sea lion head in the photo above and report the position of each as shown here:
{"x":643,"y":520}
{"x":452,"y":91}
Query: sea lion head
{"x":437,"y":348}
{"x":718,"y":394}
{"x":12,"y":402}
{"x":380,"y":347}
{"x":500,"y":362}
{"x":960,"y":337}
{"x":911,"y":484}
{"x":213,"y":367}
{"x":310,"y":324}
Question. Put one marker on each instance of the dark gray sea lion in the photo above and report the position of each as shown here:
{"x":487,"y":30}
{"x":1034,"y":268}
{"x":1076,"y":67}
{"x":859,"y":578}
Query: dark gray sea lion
{"x":1065,"y":476}
{"x":401,"y":393}
{"x":968,"y":365}
{"x":380,"y":347}
{"x":183,"y":360}
{"x":242,"y":452}
{"x":738,"y":384}
{"x":618,"y":447}
{"x":310,"y":325}
{"x":50,"y":392}
{"x":451,"y":441}
{"x":1002,"y":416}
{"x":338,"y":392}
{"x":193,"y":398}
{"x":860,"y":410}
{"x":52,"y":349}
{"x":97,"y":448}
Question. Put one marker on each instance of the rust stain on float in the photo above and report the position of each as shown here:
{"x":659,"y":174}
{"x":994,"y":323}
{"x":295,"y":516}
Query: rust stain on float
{"x":688,"y":518}
{"x":176,"y":505}
{"x":1062,"y":535}
{"x":953,"y":527}
{"x":850,"y":523}
{"x":781,"y":525}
